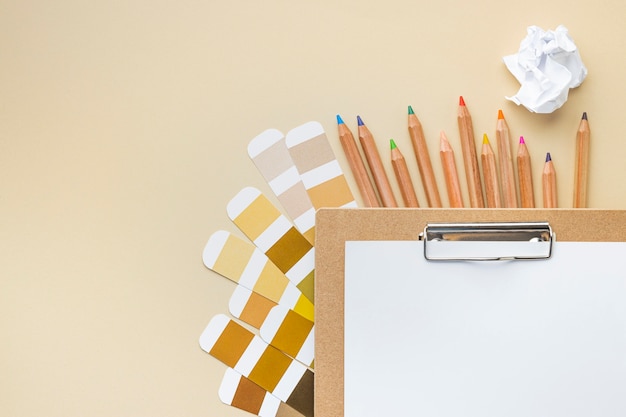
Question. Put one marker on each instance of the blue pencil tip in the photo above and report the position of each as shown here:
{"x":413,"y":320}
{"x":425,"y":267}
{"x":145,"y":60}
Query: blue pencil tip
{"x":359,"y":121}
{"x":339,"y":120}
{"x":548,"y":157}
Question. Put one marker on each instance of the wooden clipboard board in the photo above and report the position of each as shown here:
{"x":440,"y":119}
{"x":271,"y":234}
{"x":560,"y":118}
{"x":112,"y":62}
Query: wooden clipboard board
{"x":336,"y":226}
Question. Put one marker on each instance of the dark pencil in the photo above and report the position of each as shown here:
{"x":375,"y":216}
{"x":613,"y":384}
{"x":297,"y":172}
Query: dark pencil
{"x":549,"y":184}
{"x":581,"y":172}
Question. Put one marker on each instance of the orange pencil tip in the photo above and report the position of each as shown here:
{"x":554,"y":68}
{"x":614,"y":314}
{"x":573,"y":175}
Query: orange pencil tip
{"x":500,"y":114}
{"x":461,"y":101}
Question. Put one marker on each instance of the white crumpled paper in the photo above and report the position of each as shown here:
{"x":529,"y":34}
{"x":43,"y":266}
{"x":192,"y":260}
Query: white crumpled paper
{"x":547,"y":65}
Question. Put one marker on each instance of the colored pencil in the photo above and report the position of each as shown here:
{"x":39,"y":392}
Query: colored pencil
{"x":492,"y":188}
{"x":548,"y":180}
{"x":524,"y":172}
{"x":403,"y":177}
{"x":363,"y":182}
{"x":450,"y":173}
{"x":470,"y":160}
{"x":581,"y":172}
{"x":376,"y":165}
{"x":423,"y":160}
{"x":505,"y":157}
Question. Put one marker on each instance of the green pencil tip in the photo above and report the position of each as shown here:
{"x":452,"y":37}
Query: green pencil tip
{"x":411,"y":110}
{"x":393,"y":144}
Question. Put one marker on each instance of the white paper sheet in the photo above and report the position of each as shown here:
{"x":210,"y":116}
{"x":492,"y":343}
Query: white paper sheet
{"x":485,"y":339}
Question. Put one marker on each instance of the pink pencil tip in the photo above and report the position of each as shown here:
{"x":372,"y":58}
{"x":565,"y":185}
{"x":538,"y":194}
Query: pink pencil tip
{"x":521,"y":139}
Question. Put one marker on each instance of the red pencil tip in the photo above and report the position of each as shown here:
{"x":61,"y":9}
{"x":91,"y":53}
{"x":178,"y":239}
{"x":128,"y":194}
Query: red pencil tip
{"x":521,"y":140}
{"x":461,"y":101}
{"x":500,"y":114}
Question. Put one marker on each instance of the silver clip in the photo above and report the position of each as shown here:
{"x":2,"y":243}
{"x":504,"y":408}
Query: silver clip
{"x":487,"y":241}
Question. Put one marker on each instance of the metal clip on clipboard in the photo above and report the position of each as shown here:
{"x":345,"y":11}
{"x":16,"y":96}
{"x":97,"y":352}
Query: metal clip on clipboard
{"x":487,"y":241}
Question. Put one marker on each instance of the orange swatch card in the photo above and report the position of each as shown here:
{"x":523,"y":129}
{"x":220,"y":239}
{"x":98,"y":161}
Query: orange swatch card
{"x":238,"y":391}
{"x":270,"y":155}
{"x":291,"y":333}
{"x":242,"y":262}
{"x":237,"y":347}
{"x":321,"y":174}
{"x":275,"y":235}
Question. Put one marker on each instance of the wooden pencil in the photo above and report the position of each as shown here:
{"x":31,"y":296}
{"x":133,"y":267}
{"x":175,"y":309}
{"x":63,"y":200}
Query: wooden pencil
{"x":525,"y":174}
{"x":376,"y":165}
{"x":490,"y":173}
{"x":363,"y":182}
{"x":450,"y":173}
{"x":581,"y":172}
{"x":423,"y":160}
{"x":470,"y":160}
{"x":548,"y":179}
{"x":403,"y":177}
{"x":505,"y":157}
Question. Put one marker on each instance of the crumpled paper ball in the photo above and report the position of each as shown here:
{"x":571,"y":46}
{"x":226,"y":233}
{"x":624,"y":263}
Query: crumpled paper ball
{"x":547,"y":65}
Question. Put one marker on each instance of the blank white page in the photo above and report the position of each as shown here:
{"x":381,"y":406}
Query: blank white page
{"x":541,"y":338}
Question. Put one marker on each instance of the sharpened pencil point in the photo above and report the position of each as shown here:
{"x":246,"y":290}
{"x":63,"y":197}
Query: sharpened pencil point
{"x":584,"y":115}
{"x":521,"y":140}
{"x":359,"y":121}
{"x":339,"y":120}
{"x":548,"y":157}
{"x":461,"y":101}
{"x":411,"y":110}
{"x":392,"y":143}
{"x":485,"y":139}
{"x":500,"y":114}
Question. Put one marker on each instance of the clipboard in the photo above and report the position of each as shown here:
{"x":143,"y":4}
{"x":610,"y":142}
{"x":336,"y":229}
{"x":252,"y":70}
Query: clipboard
{"x":335,"y":227}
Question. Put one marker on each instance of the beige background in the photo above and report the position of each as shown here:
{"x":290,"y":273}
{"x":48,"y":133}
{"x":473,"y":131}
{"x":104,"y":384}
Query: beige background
{"x":123,"y":133}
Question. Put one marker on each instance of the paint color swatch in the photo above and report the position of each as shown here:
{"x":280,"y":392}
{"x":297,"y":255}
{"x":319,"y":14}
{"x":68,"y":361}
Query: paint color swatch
{"x":242,"y":262}
{"x":269,"y":153}
{"x":250,"y":307}
{"x":275,"y":235}
{"x":291,"y":333}
{"x":238,"y":391}
{"x":321,"y":174}
{"x":239,"y":348}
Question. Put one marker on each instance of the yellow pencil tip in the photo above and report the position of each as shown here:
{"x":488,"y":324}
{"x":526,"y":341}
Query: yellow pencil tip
{"x":485,"y":139}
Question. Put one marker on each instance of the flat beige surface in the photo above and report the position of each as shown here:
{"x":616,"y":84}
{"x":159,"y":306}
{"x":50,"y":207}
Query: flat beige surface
{"x":123,"y":134}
